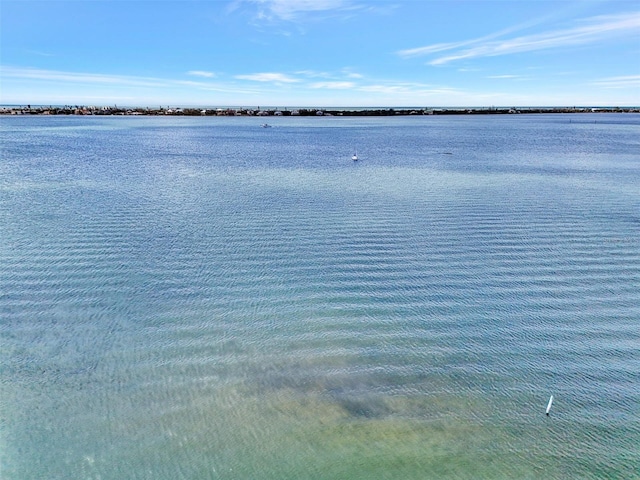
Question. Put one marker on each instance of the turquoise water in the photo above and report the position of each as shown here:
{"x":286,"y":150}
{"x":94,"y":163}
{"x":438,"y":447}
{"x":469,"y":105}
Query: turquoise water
{"x":202,"y":298}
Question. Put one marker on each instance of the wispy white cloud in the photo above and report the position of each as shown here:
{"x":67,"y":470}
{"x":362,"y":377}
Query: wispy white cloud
{"x":268,"y":77}
{"x":313,"y":74}
{"x":39,"y":53}
{"x":291,"y":10}
{"x":201,"y":73}
{"x":443,"y":47}
{"x":506,"y":77}
{"x":77,"y":77}
{"x":585,"y":31}
{"x":61,"y":78}
{"x":407,"y":88}
{"x":336,"y":75}
{"x":412,"y":94}
{"x":333,"y":85}
{"x":628,"y":81}
{"x":349,"y":73}
{"x":435,"y":48}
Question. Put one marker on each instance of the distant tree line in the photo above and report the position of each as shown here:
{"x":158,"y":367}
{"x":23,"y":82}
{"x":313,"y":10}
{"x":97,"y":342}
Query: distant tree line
{"x":303,"y":112}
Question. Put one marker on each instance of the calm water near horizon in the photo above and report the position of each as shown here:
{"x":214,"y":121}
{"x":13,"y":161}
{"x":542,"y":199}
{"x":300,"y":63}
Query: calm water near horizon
{"x":203,"y":298}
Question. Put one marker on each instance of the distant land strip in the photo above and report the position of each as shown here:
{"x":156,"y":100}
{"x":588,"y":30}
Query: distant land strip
{"x":305,"y":112}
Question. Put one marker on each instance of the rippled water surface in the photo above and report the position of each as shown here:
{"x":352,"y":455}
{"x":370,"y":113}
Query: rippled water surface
{"x":202,"y":298}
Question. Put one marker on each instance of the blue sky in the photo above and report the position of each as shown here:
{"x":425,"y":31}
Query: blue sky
{"x":320,"y":53}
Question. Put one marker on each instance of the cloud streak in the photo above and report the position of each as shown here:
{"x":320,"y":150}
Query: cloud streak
{"x":77,"y":77}
{"x":506,"y":77}
{"x":587,"y":31}
{"x":201,"y":73}
{"x":333,"y":85}
{"x":291,"y":10}
{"x":268,"y":77}
{"x":97,"y":80}
{"x":627,"y":81}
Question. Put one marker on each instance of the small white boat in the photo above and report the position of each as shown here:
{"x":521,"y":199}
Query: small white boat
{"x":266,"y":125}
{"x":354,"y":157}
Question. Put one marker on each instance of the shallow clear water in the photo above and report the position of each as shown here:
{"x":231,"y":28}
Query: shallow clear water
{"x":202,"y":298}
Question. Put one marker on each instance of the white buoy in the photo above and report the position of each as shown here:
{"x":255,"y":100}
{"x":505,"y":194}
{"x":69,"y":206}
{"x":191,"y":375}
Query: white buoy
{"x":549,"y":405}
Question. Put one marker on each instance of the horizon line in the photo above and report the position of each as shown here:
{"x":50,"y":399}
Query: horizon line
{"x":307,"y":107}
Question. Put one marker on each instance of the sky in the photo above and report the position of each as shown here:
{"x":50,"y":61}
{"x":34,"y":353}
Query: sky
{"x":320,"y":53}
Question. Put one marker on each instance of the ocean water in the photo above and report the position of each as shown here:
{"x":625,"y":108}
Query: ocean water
{"x":202,"y":298}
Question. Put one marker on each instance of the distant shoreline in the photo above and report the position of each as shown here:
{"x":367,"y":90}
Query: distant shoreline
{"x":302,"y":112}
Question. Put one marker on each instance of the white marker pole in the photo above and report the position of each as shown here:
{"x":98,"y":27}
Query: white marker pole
{"x":549,"y":405}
